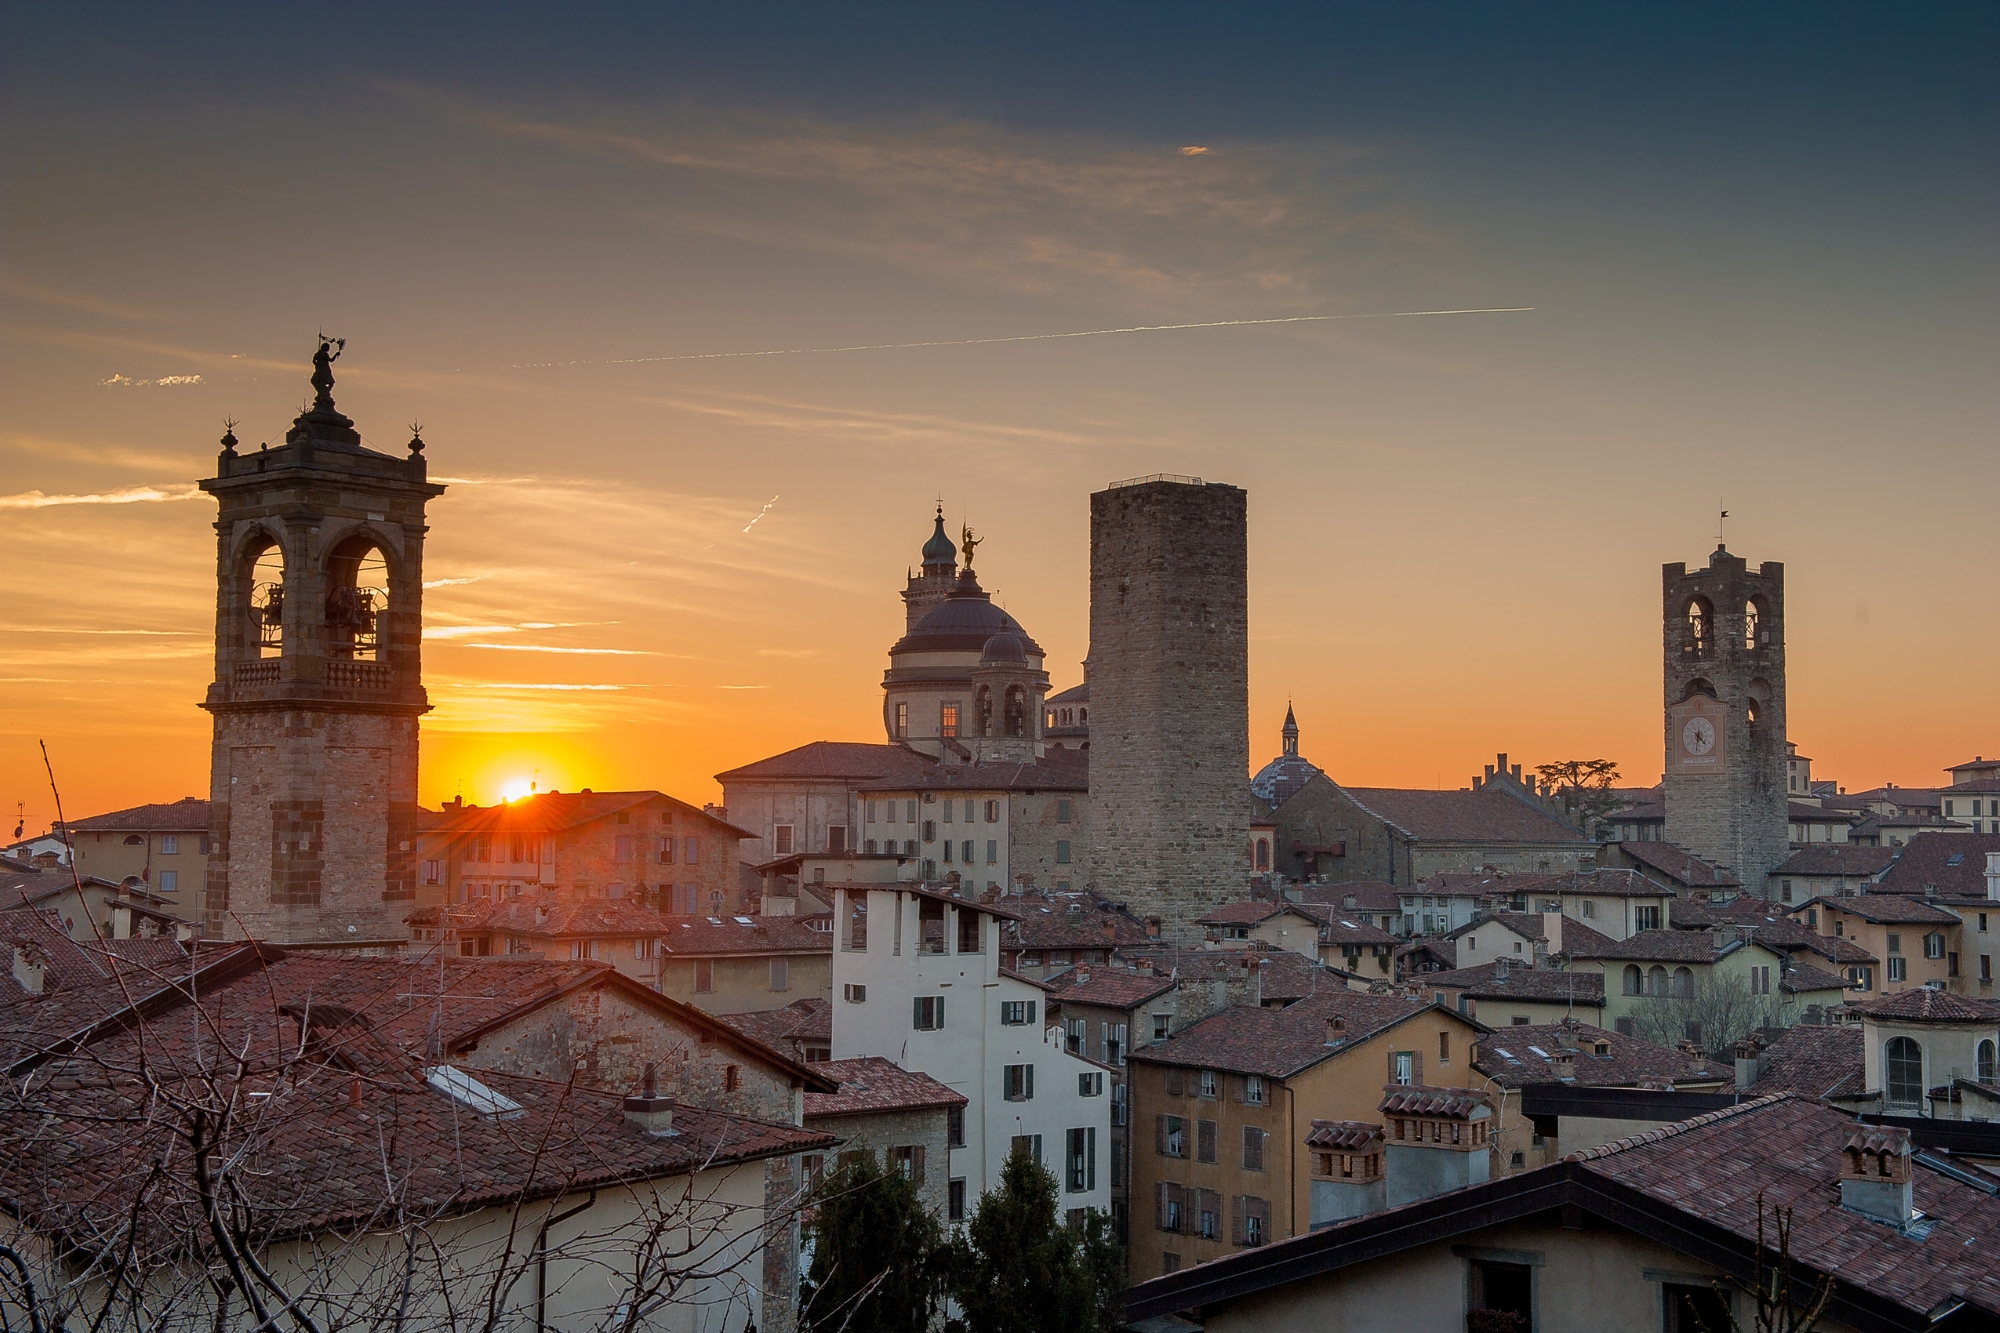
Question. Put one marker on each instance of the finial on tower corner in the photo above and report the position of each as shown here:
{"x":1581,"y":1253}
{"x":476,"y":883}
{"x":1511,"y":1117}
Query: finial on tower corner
{"x":416,"y":438}
{"x":229,"y":436}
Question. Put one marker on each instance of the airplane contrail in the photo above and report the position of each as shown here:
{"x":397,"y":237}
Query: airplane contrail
{"x":760,"y":514}
{"x":1018,"y":337}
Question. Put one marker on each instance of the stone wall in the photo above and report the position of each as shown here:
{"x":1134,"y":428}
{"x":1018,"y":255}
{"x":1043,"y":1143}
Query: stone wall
{"x":1734,"y":814}
{"x":1169,"y":677}
{"x":883,"y":1130}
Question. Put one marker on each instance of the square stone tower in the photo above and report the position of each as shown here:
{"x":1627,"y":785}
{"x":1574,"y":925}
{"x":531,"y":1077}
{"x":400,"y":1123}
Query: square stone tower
{"x":1725,"y":714}
{"x":318,"y":684}
{"x":1169,"y":697}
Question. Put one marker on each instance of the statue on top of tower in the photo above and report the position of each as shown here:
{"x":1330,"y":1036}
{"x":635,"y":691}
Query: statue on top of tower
{"x":322,"y":376}
{"x":967,"y":541}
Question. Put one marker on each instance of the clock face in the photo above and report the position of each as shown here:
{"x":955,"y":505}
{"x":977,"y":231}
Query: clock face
{"x":1698,"y":736}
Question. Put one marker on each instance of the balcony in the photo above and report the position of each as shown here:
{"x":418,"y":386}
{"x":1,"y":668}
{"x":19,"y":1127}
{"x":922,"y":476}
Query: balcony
{"x":370,"y":676}
{"x":261,"y":672}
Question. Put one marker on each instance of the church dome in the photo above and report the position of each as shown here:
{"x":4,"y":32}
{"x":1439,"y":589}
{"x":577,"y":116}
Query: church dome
{"x":940,"y":549}
{"x":1003,"y":647}
{"x":963,"y":623}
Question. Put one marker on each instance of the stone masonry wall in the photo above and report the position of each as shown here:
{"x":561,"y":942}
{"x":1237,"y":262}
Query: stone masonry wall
{"x":884,"y":1130}
{"x":1169,"y":679}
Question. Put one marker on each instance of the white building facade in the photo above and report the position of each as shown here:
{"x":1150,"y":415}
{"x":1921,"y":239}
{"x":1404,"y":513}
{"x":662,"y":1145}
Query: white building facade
{"x":917,"y":980}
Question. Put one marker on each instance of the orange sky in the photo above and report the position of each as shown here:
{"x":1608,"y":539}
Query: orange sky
{"x":1456,"y":524}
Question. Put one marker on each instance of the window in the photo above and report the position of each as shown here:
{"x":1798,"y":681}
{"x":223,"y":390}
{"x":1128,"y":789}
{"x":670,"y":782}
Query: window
{"x":964,"y":851}
{"x":1589,"y":908}
{"x":1075,"y":1031}
{"x":1208,"y":1210}
{"x":1173,"y":1213}
{"x":1062,"y":853}
{"x":1895,"y":943}
{"x":948,"y":720}
{"x":947,"y":808}
{"x":1017,"y":1084}
{"x":1626,"y":1027}
{"x":704,"y":976}
{"x":1211,"y":1084}
{"x":693,"y":851}
{"x":1170,"y":1135}
{"x":1444,"y":1048}
{"x":1404,"y":1065}
{"x":1903,"y":1060}
{"x":1253,"y":1220}
{"x":1760,"y":981}
{"x":1634,"y":980}
{"x":868,"y":811}
{"x":993,"y":812}
{"x":1117,"y":1116}
{"x":1062,"y":812}
{"x":992,"y":852}
{"x":1505,"y":1289}
{"x":1030,"y":1145}
{"x":622,"y":849}
{"x":902,"y":720}
{"x":1646,"y":918}
{"x":1114,"y":1043}
{"x":908,"y":1162}
{"x":1934,"y":945}
{"x":968,"y":931}
{"x":1017,"y":1013}
{"x":1692,"y":1309}
{"x":433,"y":872}
{"x":1162,"y":1023}
{"x":663,"y":851}
{"x":170,"y":844}
{"x":170,"y":881}
{"x":1984,"y":1068}
{"x":1517,"y":1020}
{"x":930,"y":830}
{"x":1081,"y":1160}
{"x":642,"y":949}
{"x":1986,"y":967}
{"x":954,"y":1126}
{"x":687,"y":899}
{"x":1253,"y":1148}
{"x":927,"y":1013}
{"x":954,"y":1199}
{"x":1897,"y":969}
{"x":201,"y":844}
{"x":836,"y":838}
{"x":854,"y":994}
{"x":781,"y":974}
{"x":1090,"y":1084}
{"x":1204,"y":1140}
{"x":1253,"y":1089}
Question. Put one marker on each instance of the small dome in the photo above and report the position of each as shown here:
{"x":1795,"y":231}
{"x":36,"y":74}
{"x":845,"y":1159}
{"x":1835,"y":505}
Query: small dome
{"x":1003,"y":647}
{"x":963,"y":622}
{"x":940,"y":549}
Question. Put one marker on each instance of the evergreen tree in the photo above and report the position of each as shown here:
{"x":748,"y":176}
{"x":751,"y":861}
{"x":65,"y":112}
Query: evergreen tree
{"x":877,"y":1254}
{"x":1020,"y":1270}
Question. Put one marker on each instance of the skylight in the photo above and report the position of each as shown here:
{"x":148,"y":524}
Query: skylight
{"x":473,"y":1095}
{"x":743,"y":921}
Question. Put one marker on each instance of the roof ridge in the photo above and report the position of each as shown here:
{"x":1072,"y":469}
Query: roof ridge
{"x":1679,"y":1127}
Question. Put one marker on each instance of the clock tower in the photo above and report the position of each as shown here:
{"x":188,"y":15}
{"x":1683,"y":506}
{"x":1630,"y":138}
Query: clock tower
{"x":1725,"y":715}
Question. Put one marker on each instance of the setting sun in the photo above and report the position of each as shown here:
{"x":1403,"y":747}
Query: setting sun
{"x":515,"y":790}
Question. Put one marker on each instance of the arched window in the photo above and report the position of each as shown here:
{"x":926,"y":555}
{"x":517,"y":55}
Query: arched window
{"x":982,"y":711}
{"x":1656,"y":980}
{"x":1634,"y":980}
{"x":1903,"y":1071}
{"x":1017,"y":711}
{"x":1263,"y":853}
{"x":357,"y":594}
{"x":134,"y":840}
{"x":1986,"y":1062}
{"x":1753,"y":617}
{"x":267,"y":599}
{"x":1753,"y":712}
{"x":1683,"y":983}
{"x":1701,"y":626}
{"x":1083,"y":715}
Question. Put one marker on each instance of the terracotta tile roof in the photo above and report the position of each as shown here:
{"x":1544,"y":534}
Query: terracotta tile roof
{"x":1945,"y":865}
{"x":1681,"y":867}
{"x":1112,"y":987}
{"x":695,"y":936}
{"x":1530,"y":925}
{"x":1814,"y":1060}
{"x":1443,"y":1103}
{"x":1253,"y":911}
{"x":1803,"y":978}
{"x":1429,"y":947}
{"x":1977,"y":787}
{"x":1483,"y":815}
{"x":1805,"y":812}
{"x":1067,"y":921}
{"x":1515,"y":1056}
{"x":187,"y":815}
{"x":543,"y":919}
{"x":1924,"y":1005}
{"x":872,"y":1084}
{"x":1075,"y":694}
{"x":1058,"y":770}
{"x":1785,"y":1151}
{"x":29,"y":888}
{"x":1503,"y":980}
{"x":1833,"y":948}
{"x":1352,"y":1136}
{"x":1369,"y":895}
{"x":1662,"y":946}
{"x":552,"y":811}
{"x":835,"y":760}
{"x":1887,"y":908}
{"x":1339,"y":930}
{"x":1279,"y":1043}
{"x":800,"y":1022}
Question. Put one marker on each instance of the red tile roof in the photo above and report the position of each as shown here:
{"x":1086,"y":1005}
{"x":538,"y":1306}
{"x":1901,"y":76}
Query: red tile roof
{"x":187,"y":815}
{"x":1111,"y":987}
{"x":1887,"y":908}
{"x":1487,"y":814}
{"x":1442,"y":1103}
{"x":1924,"y":1005}
{"x":1814,"y":1060}
{"x":871,"y":1084}
{"x":1514,"y":1056}
{"x":1067,"y":921}
{"x":1503,"y":980}
{"x":1662,"y":946}
{"x":1369,"y":895}
{"x":1681,"y":867}
{"x":1351,"y":1136}
{"x":834,"y":760}
{"x":729,"y":936}
{"x":800,"y":1022}
{"x":552,"y":812}
{"x":1254,"y":911}
{"x":541,"y":918}
{"x":1058,"y":770}
{"x":1279,"y":1043}
{"x":1944,"y":865}
{"x":1340,"y":931}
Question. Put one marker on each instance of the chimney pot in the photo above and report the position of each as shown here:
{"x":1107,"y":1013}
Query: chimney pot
{"x":30,"y":970}
{"x":1875,"y":1176}
{"x":650,"y":1109}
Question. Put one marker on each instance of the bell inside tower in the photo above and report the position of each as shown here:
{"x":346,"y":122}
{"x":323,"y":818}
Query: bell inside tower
{"x":267,"y":600}
{"x":356,"y":600}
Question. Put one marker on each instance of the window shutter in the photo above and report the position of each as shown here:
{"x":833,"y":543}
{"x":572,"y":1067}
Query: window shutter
{"x":1160,"y":1135}
{"x":940,"y":1019}
{"x":1206,"y":1150}
{"x":1160,"y":1201}
{"x":1392,"y":1067}
{"x":1175,"y":1085}
{"x":1089,"y":1157}
{"x":1417,"y":1066}
{"x":1028,"y":1094}
{"x":1031,"y":1013}
{"x":1236,"y":1216}
{"x":917,"y":1012}
{"x":917,"y":1164}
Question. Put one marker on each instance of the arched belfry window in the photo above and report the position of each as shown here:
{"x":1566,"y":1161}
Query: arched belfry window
{"x":267,"y":599}
{"x":1753,"y":617}
{"x":982,"y":703}
{"x":357,"y":596}
{"x":1701,"y":626}
{"x":1017,"y":711}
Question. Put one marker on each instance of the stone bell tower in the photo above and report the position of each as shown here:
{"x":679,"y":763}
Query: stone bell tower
{"x":1724,"y":671}
{"x":318,"y":683}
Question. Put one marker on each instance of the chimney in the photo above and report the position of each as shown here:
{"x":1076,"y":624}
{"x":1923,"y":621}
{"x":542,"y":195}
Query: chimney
{"x":1348,"y":1176}
{"x":30,"y":970}
{"x":650,"y":1109}
{"x":1552,"y":930}
{"x":1438,"y":1140}
{"x":1110,"y":928}
{"x":1749,"y":1062}
{"x":1336,"y":1029}
{"x":1875,"y":1174}
{"x":1563,"y":1061}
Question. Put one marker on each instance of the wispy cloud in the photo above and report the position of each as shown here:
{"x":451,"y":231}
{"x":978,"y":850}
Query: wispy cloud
{"x":163,"y":382}
{"x":126,"y":496}
{"x":455,"y":583}
{"x":91,"y":305}
{"x":57,"y":629}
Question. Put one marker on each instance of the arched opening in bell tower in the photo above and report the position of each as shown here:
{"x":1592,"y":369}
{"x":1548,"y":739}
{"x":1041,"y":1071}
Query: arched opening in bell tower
{"x":1016,"y":716}
{"x":1753,"y":616}
{"x":982,"y":704}
{"x":357,"y":598}
{"x":267,"y":599}
{"x":1700,"y":626}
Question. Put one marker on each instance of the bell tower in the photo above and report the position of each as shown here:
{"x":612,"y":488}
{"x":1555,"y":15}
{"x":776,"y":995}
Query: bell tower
{"x":318,"y":683}
{"x":1724,"y":640}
